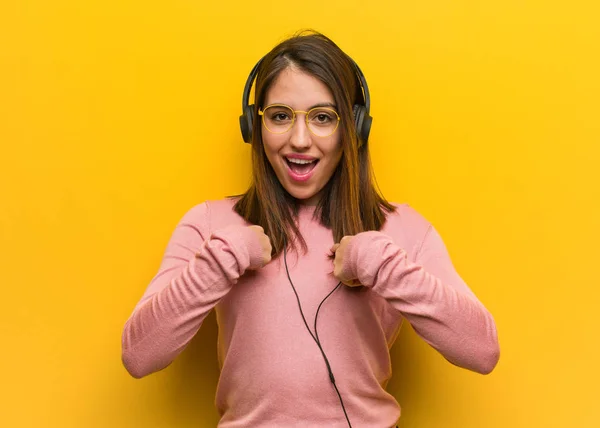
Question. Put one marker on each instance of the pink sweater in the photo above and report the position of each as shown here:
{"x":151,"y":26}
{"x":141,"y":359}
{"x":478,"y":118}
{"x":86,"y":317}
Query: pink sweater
{"x":272,"y":372}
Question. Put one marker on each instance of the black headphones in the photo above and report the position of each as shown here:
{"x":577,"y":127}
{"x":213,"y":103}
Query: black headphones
{"x":362,"y":118}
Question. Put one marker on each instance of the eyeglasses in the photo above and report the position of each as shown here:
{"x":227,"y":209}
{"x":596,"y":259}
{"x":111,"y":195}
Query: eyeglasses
{"x":279,"y":119}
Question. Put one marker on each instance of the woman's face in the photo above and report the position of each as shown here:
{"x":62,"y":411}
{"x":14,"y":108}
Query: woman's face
{"x":303,"y":162}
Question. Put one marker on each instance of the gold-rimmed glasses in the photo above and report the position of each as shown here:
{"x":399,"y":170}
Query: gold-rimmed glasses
{"x":279,"y":119}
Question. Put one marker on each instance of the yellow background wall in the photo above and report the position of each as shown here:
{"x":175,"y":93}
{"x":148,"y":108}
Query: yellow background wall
{"x":118,"y":116}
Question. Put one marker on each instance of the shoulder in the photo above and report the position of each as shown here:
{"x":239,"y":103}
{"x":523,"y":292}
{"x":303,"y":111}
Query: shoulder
{"x":212,"y":215}
{"x":407,"y":227}
{"x":405,"y":216}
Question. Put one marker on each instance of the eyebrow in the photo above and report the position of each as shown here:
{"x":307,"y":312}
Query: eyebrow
{"x":327,"y":104}
{"x":332,"y":105}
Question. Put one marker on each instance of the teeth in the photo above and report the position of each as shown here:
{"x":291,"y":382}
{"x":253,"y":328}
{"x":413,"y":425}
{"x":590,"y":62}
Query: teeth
{"x":300,"y":161}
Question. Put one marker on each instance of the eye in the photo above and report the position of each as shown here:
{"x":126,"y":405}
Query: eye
{"x":279,"y":114}
{"x":280,"y":117}
{"x":322,"y":117}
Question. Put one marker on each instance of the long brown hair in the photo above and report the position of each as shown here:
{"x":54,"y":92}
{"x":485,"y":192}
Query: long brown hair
{"x":351,"y":202}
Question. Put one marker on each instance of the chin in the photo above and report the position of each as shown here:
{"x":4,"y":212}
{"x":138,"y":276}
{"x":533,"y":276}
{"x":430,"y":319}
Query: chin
{"x":303,"y":196}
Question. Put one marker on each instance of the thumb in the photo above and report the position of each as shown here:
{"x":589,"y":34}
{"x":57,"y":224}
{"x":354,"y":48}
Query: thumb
{"x":334,"y":248}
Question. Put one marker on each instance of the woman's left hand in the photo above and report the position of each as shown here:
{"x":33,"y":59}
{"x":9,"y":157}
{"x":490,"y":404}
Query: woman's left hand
{"x":339,"y":250}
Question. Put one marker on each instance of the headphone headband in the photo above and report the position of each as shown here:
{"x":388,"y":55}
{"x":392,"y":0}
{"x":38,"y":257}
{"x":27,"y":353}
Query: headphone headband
{"x":364,"y":86}
{"x":248,"y":86}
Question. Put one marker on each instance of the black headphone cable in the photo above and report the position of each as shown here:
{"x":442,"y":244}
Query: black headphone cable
{"x":316,"y":335}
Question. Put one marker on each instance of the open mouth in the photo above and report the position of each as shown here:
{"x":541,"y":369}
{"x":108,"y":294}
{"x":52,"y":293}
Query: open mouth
{"x":301,"y":167}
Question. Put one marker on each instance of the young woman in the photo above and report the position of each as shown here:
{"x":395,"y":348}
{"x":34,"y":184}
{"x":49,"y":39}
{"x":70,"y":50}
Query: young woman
{"x":311,"y":271}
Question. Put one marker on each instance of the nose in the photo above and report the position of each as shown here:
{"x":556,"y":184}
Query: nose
{"x":300,"y":137}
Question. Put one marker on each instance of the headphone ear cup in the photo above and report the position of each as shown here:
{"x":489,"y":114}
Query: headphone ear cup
{"x":246,"y":122}
{"x":362,"y":122}
{"x":366,"y":126}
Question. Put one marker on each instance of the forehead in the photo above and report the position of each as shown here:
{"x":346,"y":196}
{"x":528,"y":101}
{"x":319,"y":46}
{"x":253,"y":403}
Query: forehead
{"x":298,"y":89}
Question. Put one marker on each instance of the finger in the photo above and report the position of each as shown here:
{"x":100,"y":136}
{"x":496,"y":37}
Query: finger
{"x":334,"y":248}
{"x":351,"y":282}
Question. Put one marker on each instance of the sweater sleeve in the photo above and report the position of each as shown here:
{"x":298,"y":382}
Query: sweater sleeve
{"x":430,"y":295}
{"x":198,"y":269}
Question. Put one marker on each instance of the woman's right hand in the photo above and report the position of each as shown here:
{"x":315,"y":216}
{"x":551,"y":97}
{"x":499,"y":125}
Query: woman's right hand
{"x":265,"y":244}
